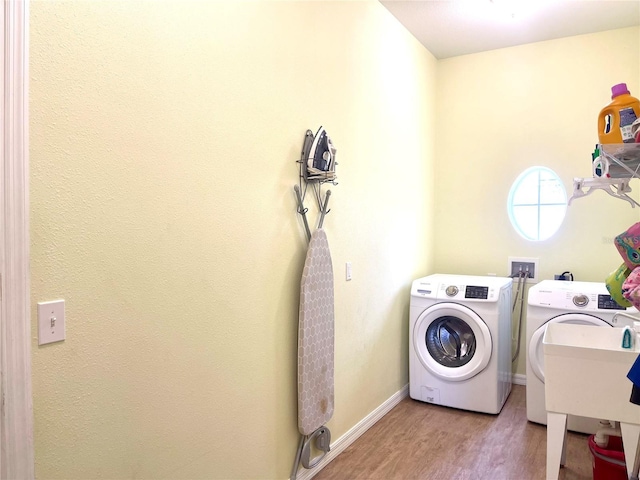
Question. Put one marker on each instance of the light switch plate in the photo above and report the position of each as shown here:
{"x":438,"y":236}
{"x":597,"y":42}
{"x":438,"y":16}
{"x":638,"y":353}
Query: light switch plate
{"x":51,"y":327}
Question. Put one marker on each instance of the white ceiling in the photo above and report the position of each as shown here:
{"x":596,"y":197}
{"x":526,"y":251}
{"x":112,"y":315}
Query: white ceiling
{"x":448,"y":28}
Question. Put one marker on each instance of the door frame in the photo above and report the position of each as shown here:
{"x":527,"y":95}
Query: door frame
{"x":16,"y":406}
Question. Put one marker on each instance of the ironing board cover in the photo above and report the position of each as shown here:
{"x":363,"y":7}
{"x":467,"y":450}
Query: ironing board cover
{"x":315,"y":337}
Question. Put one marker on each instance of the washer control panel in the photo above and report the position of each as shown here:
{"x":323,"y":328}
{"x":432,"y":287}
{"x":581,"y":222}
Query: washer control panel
{"x":467,"y":292}
{"x":476,"y":292}
{"x":467,"y":288}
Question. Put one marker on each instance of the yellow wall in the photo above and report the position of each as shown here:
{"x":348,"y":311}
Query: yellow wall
{"x":164,"y":140}
{"x":502,"y":111}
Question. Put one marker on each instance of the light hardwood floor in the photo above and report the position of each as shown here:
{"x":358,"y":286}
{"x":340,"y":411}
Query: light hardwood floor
{"x":416,"y":440}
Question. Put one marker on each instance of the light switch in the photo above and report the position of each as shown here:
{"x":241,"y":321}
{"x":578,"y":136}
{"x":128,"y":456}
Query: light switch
{"x":348,"y":271}
{"x":51,"y":322}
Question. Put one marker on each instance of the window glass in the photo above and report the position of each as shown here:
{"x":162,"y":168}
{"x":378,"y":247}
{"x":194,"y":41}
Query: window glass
{"x":553,"y":216}
{"x":527,"y":191}
{"x":527,"y":220}
{"x":537,"y":203}
{"x":551,"y":189}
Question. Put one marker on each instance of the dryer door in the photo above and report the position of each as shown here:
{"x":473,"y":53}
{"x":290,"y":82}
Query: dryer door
{"x":452,"y":341}
{"x":536,"y":354}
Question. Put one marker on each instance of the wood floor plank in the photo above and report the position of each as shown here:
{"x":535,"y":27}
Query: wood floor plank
{"x":417,"y":440}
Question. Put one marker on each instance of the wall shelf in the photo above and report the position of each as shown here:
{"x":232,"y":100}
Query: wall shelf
{"x":614,"y":165}
{"x":623,"y":159}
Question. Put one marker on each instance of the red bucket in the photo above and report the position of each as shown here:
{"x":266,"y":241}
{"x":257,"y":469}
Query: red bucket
{"x":608,"y":463}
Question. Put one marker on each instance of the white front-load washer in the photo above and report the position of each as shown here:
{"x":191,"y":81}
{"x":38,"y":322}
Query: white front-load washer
{"x":460,"y":341}
{"x":555,"y":301}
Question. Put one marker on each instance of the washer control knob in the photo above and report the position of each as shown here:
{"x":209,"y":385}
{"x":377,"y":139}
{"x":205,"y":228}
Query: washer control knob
{"x":580,"y":300}
{"x":451,"y":290}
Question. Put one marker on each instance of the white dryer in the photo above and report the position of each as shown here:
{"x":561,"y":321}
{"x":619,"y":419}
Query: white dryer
{"x":555,"y":301}
{"x":460,"y":341}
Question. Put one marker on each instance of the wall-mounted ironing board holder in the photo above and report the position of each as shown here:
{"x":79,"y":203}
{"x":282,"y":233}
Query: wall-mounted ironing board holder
{"x":315,"y":180}
{"x":303,"y":211}
{"x":623,"y":160}
{"x":315,"y":436}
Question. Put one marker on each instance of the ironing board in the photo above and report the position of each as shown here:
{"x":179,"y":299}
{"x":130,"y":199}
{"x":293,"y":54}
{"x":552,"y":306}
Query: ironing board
{"x":316,"y":315}
{"x":315,"y":337}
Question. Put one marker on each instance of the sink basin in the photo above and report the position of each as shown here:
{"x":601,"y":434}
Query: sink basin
{"x":586,"y":372}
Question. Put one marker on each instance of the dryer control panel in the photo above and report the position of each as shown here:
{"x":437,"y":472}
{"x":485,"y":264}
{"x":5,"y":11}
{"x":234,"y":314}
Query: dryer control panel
{"x":566,"y":300}
{"x":573,"y":296}
{"x":605,"y":302}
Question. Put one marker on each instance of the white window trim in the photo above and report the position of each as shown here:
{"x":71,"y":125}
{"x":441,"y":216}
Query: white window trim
{"x":16,"y":418}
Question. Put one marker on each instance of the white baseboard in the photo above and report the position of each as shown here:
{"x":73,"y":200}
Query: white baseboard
{"x":519,"y":379}
{"x":354,"y":433}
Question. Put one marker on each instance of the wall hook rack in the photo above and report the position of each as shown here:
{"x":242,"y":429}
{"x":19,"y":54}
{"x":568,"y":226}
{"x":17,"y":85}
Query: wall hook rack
{"x":317,"y":166}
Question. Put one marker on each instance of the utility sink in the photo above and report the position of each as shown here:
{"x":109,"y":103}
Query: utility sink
{"x":586,"y":372}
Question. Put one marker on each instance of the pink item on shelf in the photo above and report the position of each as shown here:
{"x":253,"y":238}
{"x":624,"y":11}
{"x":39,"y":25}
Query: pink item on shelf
{"x":631,"y":288}
{"x":628,"y":245}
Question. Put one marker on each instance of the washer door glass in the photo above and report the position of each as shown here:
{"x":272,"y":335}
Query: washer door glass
{"x":536,"y":353}
{"x":452,"y":341}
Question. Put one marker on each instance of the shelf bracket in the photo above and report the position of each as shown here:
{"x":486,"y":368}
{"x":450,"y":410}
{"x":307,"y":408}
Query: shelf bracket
{"x":616,"y":187}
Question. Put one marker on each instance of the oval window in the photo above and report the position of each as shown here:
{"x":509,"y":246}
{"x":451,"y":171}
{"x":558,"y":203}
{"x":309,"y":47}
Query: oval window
{"x":537,"y":203}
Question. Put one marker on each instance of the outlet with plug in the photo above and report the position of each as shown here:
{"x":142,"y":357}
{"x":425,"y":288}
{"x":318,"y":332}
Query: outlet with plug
{"x":527,"y":265}
{"x":566,"y":276}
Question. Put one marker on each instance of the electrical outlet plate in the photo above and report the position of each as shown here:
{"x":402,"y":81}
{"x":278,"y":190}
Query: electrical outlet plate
{"x":51,"y":326}
{"x":516,"y":264}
